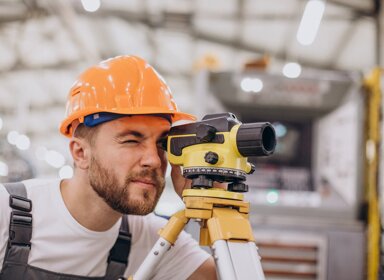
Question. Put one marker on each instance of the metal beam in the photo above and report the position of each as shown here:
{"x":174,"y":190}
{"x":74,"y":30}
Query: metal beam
{"x":258,"y":49}
{"x":377,"y":10}
{"x":354,"y":8}
{"x":68,"y":14}
{"x":69,"y":19}
{"x":343,"y":42}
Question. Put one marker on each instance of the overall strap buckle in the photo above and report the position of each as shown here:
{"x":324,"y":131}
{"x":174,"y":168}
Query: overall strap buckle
{"x":20,"y":229}
{"x":20,"y":203}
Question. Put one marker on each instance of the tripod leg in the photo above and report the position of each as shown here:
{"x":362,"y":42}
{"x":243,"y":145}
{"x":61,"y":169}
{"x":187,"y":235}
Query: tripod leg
{"x":223,"y":260}
{"x":153,"y":258}
{"x":237,"y":260}
{"x":238,"y":253}
{"x":168,"y":236}
{"x":246,"y":260}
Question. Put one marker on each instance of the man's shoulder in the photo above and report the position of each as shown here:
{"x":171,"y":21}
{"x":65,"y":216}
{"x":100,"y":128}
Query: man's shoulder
{"x":33,"y":186}
{"x":4,"y":197}
{"x":145,"y":227}
{"x":40,"y":182}
{"x":151,"y":219}
{"x":5,"y":211}
{"x":38,"y":187}
{"x":34,"y":183}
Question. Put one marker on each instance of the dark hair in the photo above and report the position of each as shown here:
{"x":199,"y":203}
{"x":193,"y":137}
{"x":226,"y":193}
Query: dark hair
{"x":84,"y":132}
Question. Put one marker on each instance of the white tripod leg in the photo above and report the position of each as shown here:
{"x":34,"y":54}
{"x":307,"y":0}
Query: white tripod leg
{"x":237,"y":260}
{"x":223,"y":260}
{"x":246,"y":261}
{"x":168,"y":236}
{"x":151,"y":261}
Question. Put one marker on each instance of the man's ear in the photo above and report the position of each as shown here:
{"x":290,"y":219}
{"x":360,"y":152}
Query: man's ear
{"x":81,"y":152}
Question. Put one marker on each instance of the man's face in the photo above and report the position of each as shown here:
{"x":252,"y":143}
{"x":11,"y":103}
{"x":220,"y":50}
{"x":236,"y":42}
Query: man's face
{"x":127,"y":165}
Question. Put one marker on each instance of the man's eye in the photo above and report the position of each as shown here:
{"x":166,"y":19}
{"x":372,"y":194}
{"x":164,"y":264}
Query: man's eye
{"x":162,"y":144}
{"x":130,"y":141}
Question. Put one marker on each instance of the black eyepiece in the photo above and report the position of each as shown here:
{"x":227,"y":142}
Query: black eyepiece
{"x":256,"y":139}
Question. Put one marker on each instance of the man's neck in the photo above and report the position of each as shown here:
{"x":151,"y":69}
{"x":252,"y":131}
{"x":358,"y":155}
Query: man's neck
{"x":85,"y":206}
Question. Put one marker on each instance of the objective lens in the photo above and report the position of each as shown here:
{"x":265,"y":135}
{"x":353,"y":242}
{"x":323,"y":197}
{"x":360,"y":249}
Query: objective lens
{"x":256,"y":139}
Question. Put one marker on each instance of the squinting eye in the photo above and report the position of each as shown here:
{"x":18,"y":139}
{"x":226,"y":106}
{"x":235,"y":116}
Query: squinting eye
{"x":130,"y":141}
{"x":162,"y":144}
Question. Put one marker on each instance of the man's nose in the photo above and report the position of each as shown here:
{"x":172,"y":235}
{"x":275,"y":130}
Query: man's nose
{"x":151,"y":156}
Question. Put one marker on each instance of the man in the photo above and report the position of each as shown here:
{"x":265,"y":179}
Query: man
{"x":118,"y":113}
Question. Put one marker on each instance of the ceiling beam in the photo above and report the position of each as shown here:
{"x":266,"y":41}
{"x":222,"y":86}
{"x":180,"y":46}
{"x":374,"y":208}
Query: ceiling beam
{"x":259,"y":50}
{"x":68,"y":16}
{"x":343,"y":43}
{"x":357,"y":9}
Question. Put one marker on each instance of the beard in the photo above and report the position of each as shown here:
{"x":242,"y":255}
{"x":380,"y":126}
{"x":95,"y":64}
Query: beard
{"x":105,"y":183}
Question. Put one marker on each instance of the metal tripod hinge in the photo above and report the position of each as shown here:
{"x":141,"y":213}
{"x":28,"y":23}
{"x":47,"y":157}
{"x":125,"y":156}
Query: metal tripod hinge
{"x":225,"y":227}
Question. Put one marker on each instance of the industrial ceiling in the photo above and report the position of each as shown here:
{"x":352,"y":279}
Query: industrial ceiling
{"x":45,"y":44}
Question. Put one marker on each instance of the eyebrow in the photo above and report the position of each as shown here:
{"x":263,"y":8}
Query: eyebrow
{"x":164,"y":134}
{"x":137,"y":134}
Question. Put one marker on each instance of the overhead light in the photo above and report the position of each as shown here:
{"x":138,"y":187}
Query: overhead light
{"x":292,"y":70}
{"x":12,"y":137}
{"x":251,"y":85}
{"x":66,"y":172}
{"x":91,"y":5}
{"x":54,"y":159}
{"x":23,"y":142}
{"x":280,"y":129}
{"x":41,"y":152}
{"x":310,"y":22}
{"x":272,"y":196}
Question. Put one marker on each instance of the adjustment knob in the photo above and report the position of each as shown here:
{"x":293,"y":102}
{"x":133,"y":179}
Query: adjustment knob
{"x":211,"y":157}
{"x":237,"y":187}
{"x":253,"y":168}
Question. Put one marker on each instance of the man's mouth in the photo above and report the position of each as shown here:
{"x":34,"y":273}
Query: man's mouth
{"x":144,"y":182}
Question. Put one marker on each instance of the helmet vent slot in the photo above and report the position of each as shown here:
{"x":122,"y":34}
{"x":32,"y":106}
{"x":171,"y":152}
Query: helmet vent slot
{"x":75,"y":91}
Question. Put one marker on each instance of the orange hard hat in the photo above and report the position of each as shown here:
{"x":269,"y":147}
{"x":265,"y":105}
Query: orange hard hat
{"x":124,"y":85}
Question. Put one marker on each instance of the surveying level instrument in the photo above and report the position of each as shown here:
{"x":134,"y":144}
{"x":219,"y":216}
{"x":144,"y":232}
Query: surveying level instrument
{"x":216,"y":149}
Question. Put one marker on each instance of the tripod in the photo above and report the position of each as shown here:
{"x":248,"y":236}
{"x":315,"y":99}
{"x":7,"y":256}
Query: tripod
{"x":225,"y":227}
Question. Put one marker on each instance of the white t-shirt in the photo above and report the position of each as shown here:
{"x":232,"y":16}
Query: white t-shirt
{"x":60,"y":244}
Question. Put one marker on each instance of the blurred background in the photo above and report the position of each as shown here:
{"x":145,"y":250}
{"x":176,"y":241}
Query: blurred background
{"x":310,"y":67}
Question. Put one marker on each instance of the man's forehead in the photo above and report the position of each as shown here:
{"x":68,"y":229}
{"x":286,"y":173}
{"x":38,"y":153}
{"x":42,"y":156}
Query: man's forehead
{"x":145,"y":118}
{"x":142,"y":122}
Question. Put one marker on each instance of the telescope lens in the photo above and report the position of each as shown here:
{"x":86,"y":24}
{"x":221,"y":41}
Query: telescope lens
{"x":269,"y":139}
{"x":256,"y":139}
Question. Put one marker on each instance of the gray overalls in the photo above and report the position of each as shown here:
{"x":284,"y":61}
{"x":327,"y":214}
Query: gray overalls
{"x":15,"y":266}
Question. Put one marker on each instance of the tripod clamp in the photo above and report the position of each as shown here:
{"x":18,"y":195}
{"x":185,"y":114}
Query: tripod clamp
{"x":224,"y":215}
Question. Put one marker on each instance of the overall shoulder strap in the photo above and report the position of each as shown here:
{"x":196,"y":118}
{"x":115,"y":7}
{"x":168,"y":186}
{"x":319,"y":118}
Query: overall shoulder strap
{"x":118,"y":256}
{"x":20,"y":227}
